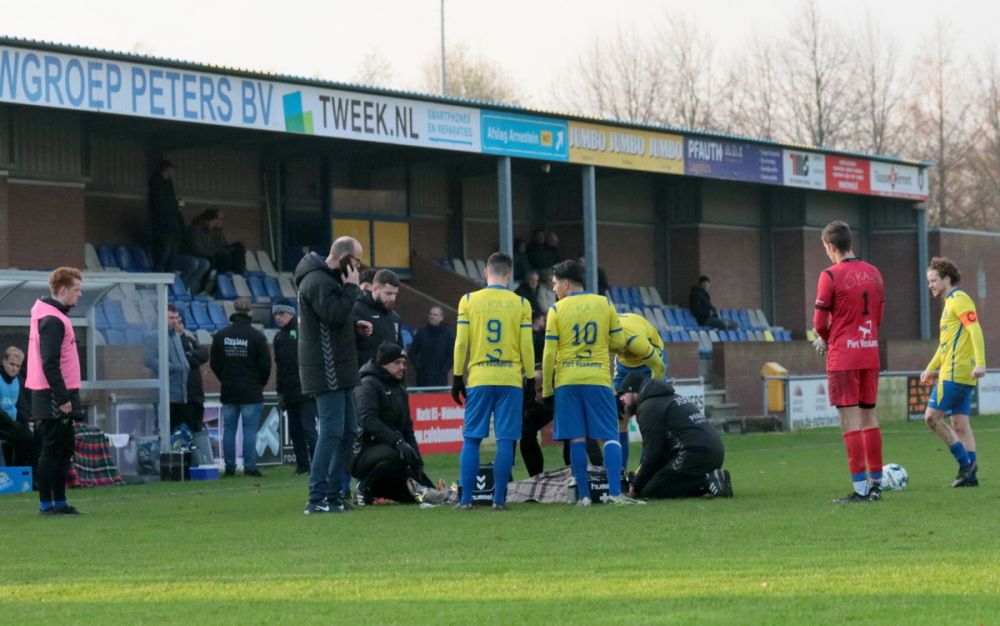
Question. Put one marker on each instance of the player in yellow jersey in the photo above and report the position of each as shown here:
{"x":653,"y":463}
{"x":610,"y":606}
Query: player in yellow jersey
{"x":494,"y":332}
{"x":643,"y":352}
{"x":959,"y":362}
{"x":581,"y":331}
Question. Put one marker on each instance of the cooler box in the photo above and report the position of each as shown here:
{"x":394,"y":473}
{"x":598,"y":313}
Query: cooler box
{"x":206,"y":472}
{"x":15,"y":480}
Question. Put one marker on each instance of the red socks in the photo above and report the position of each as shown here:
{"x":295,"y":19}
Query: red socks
{"x":873,"y":451}
{"x":855,"y":444}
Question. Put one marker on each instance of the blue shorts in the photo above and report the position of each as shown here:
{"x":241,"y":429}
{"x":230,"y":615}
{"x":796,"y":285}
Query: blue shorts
{"x":956,"y":398}
{"x":585,"y":411}
{"x":503,"y":402}
{"x":621,"y":371}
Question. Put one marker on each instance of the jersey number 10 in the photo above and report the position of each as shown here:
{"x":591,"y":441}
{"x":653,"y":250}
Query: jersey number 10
{"x":589,"y":334}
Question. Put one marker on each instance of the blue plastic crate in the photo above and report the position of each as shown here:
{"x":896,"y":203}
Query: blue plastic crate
{"x":15,"y":479}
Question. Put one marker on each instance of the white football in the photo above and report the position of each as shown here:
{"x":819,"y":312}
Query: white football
{"x":894,"y":477}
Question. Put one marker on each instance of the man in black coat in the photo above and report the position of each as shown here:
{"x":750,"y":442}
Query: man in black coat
{"x":328,"y":364}
{"x":702,"y":309}
{"x":374,"y":316}
{"x":432,"y":350}
{"x":682,"y":454}
{"x":241,"y":360}
{"x":165,"y":220}
{"x":301,"y":410}
{"x":387,"y":457}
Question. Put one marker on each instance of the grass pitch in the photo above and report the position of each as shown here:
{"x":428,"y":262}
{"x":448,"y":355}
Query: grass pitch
{"x":239,"y":551}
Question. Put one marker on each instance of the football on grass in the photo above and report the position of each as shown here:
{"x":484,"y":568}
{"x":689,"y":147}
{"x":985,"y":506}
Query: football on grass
{"x":894,"y":477}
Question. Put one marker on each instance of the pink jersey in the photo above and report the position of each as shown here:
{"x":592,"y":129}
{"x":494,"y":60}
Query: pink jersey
{"x":850,"y":301}
{"x":69,"y":360}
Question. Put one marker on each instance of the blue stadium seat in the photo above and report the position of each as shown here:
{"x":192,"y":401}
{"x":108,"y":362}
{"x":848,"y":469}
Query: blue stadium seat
{"x":184,"y":308}
{"x":125,"y":259}
{"x":743,"y":317}
{"x":272,"y":287}
{"x":107,"y":257}
{"x":101,"y":320}
{"x":407,"y":336}
{"x":200,"y":314}
{"x":178,"y":289}
{"x":257,"y":289}
{"x":140,"y":259}
{"x":224,"y":285}
{"x":446,"y":263}
{"x":217,"y":314}
{"x":741,"y":335}
{"x":135,"y":337}
{"x":115,"y":315}
{"x":116,"y":337}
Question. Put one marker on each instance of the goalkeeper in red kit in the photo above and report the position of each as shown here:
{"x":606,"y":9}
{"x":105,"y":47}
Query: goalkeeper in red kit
{"x":850,"y":301}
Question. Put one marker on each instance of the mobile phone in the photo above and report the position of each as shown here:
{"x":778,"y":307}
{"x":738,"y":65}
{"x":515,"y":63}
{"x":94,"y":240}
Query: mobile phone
{"x":345,"y":265}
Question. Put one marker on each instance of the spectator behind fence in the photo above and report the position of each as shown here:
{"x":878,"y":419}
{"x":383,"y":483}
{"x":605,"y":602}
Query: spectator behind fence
{"x":522,"y":265}
{"x":701,"y":307}
{"x":375,"y":309}
{"x":54,"y":379}
{"x":241,"y":360}
{"x":178,"y":367}
{"x":301,"y":409}
{"x":206,"y":240}
{"x":528,"y":289}
{"x":432,"y":350}
{"x":387,"y":461}
{"x":602,"y":276}
{"x":197,"y":355}
{"x":328,"y":364}
{"x":14,"y":408}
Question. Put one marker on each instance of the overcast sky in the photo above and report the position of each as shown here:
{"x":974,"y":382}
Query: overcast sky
{"x":536,"y":41}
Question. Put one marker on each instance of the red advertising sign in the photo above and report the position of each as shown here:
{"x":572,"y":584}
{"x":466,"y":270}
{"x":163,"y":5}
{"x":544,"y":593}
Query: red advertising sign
{"x":437,"y":422}
{"x":847,"y":174}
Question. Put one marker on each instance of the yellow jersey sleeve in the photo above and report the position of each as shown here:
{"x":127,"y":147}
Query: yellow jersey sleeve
{"x":461,"y":337}
{"x":495,"y":324}
{"x":527,"y":341}
{"x":550,"y":351}
{"x":643,"y":345}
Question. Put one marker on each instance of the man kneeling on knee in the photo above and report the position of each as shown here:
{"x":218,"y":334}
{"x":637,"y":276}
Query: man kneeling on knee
{"x":387,"y":461}
{"x":681,"y":452}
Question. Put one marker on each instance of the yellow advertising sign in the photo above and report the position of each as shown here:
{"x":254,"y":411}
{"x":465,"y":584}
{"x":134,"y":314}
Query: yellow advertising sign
{"x":626,"y":148}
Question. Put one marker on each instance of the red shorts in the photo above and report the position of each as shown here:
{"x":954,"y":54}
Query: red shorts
{"x":853,"y":388}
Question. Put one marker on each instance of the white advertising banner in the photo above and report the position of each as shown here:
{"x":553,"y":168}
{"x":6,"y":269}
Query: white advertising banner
{"x":898,"y":181}
{"x":809,"y":404}
{"x":98,"y":85}
{"x":804,"y":169}
{"x":989,"y":394}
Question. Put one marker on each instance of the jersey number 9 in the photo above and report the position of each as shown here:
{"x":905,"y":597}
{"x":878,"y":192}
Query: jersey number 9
{"x":493,"y":327}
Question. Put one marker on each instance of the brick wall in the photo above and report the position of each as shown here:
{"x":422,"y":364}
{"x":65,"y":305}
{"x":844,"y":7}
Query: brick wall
{"x":731,"y":258}
{"x":906,"y":355}
{"x":684,"y":263}
{"x":895,"y":254}
{"x":45,"y":226}
{"x":4,"y":223}
{"x":738,"y":365}
{"x":973,"y":253}
{"x":683,"y":360}
{"x":429,"y":237}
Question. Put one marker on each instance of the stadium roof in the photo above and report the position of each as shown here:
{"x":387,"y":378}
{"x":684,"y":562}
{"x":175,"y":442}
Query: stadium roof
{"x":497,"y":106}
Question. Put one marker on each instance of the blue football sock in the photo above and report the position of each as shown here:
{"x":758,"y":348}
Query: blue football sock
{"x":468,"y":467}
{"x":46,"y":506}
{"x":961,"y":455}
{"x":503,"y":464}
{"x":623,"y":440}
{"x":613,"y":463}
{"x":60,"y":503}
{"x":578,"y":461}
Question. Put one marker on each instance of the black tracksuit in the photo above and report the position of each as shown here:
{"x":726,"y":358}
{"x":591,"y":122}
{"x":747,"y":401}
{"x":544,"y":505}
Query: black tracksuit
{"x":301,"y":410}
{"x":679,"y":446}
{"x":241,"y":360}
{"x":432,"y":353}
{"x":536,"y":417}
{"x":386,"y":326}
{"x":383,"y":420}
{"x":197,"y":355}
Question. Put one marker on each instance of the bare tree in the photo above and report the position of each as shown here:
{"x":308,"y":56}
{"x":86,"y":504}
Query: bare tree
{"x":984,"y":212}
{"x":941,"y":113}
{"x":469,"y":76}
{"x":374,"y":69}
{"x":621,"y":79}
{"x":752,"y":102}
{"x":880,"y":97}
{"x":817,"y":80}
{"x":688,"y":54}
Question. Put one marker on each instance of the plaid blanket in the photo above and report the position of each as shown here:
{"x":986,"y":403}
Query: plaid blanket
{"x":557,"y":486}
{"x":93,"y":464}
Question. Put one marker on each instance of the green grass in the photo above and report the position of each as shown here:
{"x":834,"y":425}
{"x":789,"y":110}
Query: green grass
{"x":239,"y":551}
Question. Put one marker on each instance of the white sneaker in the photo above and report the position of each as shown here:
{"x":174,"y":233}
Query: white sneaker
{"x":623,"y":500}
{"x":583,"y":502}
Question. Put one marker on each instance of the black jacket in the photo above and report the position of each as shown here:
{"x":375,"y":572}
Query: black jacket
{"x":328,"y":355}
{"x":531,"y":295}
{"x":165,"y":216}
{"x":669,"y":424}
{"x":700,"y":304}
{"x":286,"y":360}
{"x":197,"y":355}
{"x":241,"y":360}
{"x":432,"y":353}
{"x":386,"y":326}
{"x":383,"y":408}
